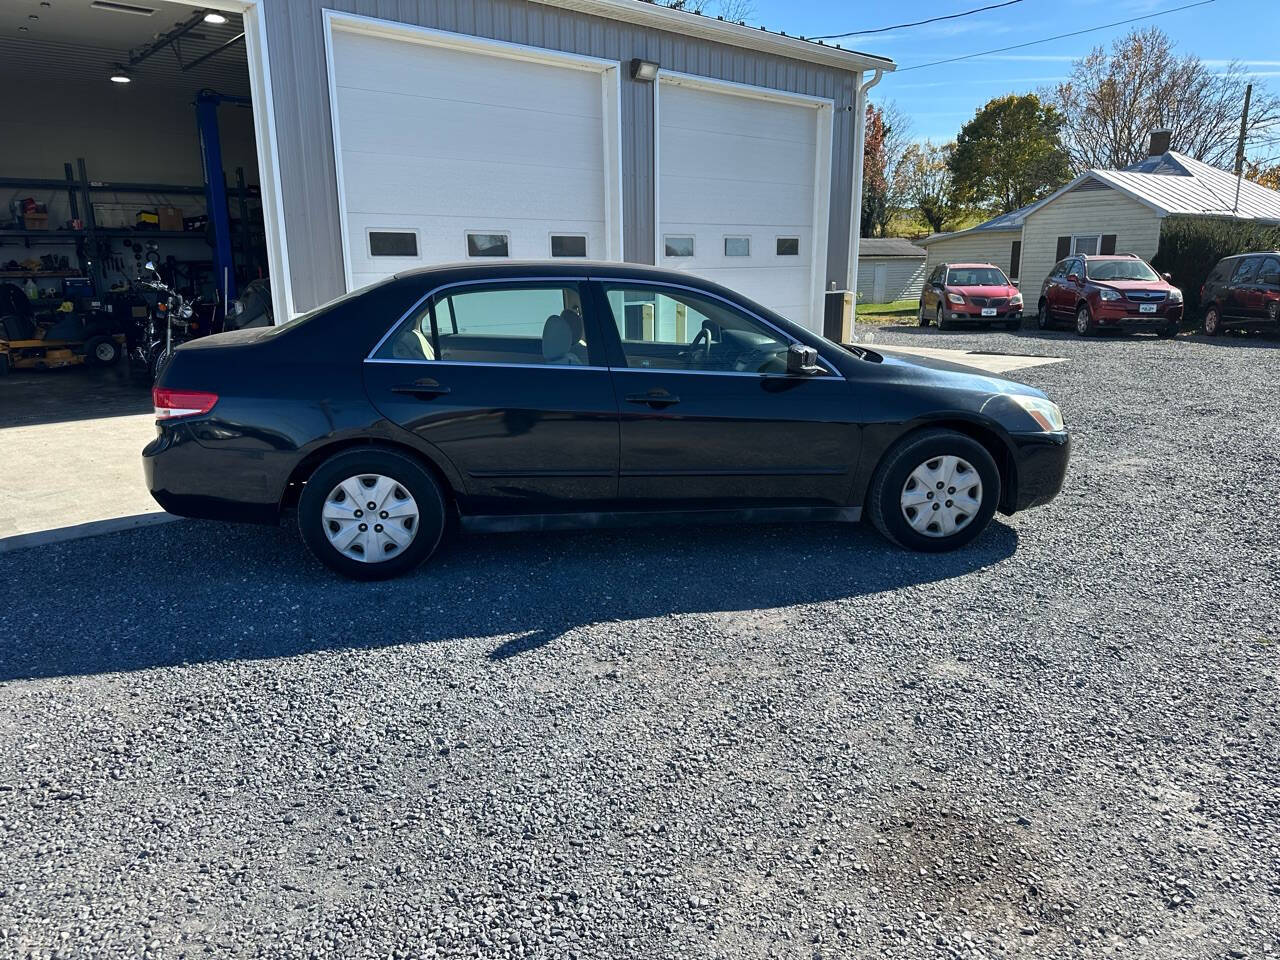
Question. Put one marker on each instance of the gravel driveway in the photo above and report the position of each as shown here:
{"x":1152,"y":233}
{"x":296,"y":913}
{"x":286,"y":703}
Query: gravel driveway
{"x":716,"y":742}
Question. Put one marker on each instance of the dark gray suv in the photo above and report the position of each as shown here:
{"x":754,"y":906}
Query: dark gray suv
{"x":1242,"y":291}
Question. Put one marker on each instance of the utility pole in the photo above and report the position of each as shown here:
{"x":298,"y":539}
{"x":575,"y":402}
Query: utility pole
{"x":1244,"y":125}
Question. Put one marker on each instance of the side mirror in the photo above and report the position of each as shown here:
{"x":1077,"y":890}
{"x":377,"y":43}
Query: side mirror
{"x":1167,"y":276}
{"x":1016,"y":283}
{"x":802,"y":360}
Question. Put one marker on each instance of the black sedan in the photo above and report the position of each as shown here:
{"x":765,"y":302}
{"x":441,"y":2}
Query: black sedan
{"x":541,"y":395}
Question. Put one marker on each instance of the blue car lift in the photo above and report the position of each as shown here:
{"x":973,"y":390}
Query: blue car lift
{"x":224,"y":268}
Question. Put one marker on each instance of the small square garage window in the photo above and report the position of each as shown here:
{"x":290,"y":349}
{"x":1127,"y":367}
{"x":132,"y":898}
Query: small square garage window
{"x":568,"y":245}
{"x":393,"y":243}
{"x":737,"y":246}
{"x":488,"y":245}
{"x":788,"y":246}
{"x":679,"y":246}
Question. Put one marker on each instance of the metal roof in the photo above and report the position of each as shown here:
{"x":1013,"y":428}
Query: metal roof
{"x":889,"y":247}
{"x":1006,"y":221}
{"x":1174,"y":183}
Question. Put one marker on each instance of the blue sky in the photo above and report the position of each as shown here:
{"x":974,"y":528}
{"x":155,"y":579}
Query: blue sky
{"x":941,"y":99}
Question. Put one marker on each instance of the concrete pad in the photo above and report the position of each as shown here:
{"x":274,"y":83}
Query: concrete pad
{"x":990,"y":362}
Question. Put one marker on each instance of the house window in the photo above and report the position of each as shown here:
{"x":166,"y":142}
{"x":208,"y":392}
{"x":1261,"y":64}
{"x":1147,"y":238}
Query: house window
{"x":488,"y":244}
{"x":1086,"y":244}
{"x":788,"y":246}
{"x":568,"y":245}
{"x":393,"y":243}
{"x":678,"y":246}
{"x":737,"y":246}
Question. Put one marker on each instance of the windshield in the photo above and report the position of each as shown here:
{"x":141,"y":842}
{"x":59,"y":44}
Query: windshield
{"x":1118,"y":270}
{"x":976,"y":277}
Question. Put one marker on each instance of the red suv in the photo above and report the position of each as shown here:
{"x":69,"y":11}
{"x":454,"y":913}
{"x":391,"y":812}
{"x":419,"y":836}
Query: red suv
{"x":969,"y":293}
{"x":1242,"y":291}
{"x":1109,"y":293}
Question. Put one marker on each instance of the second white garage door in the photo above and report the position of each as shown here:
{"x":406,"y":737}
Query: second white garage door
{"x":743,"y":186}
{"x":450,"y":148}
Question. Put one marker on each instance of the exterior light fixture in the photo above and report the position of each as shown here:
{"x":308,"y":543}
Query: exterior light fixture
{"x":645,"y":70}
{"x":215,"y":18}
{"x":120,"y":75}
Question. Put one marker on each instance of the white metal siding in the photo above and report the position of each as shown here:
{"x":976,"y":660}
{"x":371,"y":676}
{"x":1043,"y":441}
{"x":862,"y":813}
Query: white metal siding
{"x":983,"y":246}
{"x":444,"y":141}
{"x":1136,"y":226}
{"x":905,"y":277}
{"x":739,"y":166}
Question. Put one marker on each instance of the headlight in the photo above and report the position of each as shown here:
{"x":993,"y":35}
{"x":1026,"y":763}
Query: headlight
{"x":955,"y":298}
{"x":1106,"y":294}
{"x":1175,"y":295}
{"x":1015,"y":300}
{"x":1043,"y":412}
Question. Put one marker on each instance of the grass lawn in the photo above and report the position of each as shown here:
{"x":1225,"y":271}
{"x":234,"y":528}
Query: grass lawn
{"x":882,"y":314}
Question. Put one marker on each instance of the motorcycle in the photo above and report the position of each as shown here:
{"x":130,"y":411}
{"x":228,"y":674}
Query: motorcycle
{"x":169,"y":324}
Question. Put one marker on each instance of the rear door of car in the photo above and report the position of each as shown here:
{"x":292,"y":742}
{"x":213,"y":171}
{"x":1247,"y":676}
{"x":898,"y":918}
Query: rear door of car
{"x":709,"y":416}
{"x":505,"y":379}
{"x":1264,"y":298}
{"x":1235,"y":303}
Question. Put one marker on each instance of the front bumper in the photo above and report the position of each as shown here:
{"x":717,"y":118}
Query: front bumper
{"x":1126,"y":315}
{"x":1040,"y":466}
{"x":968,"y":314}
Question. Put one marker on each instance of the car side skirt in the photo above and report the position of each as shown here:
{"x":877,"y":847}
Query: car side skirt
{"x":519,"y":523}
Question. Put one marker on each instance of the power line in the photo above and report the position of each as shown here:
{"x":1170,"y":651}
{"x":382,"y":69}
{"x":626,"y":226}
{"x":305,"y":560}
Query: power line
{"x":1061,"y":36}
{"x":917,"y":23}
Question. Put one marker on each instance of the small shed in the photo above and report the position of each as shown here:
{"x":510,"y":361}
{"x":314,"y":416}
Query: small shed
{"x":889,"y":269}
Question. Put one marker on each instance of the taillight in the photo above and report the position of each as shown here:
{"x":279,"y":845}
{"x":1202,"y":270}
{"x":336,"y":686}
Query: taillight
{"x":170,"y":404}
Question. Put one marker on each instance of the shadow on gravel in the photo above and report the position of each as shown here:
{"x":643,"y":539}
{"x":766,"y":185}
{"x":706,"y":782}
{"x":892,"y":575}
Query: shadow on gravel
{"x":194,"y":592}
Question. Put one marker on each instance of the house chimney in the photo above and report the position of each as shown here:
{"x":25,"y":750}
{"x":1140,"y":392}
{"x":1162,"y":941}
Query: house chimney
{"x":1160,"y":140}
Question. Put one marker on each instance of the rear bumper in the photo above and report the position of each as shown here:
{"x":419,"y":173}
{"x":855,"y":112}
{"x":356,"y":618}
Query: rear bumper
{"x":1040,"y":466}
{"x":190,"y":480}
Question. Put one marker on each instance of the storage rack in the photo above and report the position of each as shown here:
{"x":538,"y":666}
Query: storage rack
{"x":80,"y":189}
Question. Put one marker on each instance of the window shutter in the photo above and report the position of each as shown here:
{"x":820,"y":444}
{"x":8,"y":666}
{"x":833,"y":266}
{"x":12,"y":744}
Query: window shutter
{"x":1015,"y":260}
{"x":1108,"y":244}
{"x":1064,"y":248}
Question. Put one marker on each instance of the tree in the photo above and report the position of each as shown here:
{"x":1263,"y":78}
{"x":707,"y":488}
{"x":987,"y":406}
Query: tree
{"x":1009,"y":154}
{"x":1268,"y":176}
{"x":923,"y":182}
{"x":875,"y":185}
{"x":736,"y":11}
{"x":897,"y":138}
{"x":1113,"y":101}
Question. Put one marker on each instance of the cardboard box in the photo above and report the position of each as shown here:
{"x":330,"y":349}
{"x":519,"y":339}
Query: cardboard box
{"x":147,"y":220}
{"x":36,"y":221}
{"x":170,"y":218}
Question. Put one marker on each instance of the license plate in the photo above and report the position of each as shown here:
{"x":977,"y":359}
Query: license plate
{"x":988,"y":311}
{"x":1146,"y":308}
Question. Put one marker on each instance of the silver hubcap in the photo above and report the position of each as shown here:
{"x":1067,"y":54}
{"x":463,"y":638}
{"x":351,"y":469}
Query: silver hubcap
{"x":105,"y":351}
{"x":1082,"y":321}
{"x":1211,"y":321}
{"x":941,"y":496}
{"x":370,"y":518}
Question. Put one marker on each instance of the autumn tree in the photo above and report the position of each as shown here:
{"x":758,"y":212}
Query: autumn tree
{"x":1112,"y":101}
{"x":875,"y":184}
{"x":922,"y":182}
{"x":1264,"y":174}
{"x":1010,"y":154}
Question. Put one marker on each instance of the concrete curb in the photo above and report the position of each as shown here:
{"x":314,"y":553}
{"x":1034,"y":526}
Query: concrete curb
{"x":79,"y":531}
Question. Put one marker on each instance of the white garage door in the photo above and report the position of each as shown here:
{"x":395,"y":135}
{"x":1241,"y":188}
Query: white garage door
{"x":450,"y":150}
{"x":743,"y":187}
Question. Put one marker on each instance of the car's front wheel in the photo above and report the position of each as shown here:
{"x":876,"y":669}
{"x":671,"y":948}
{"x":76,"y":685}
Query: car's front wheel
{"x":934,"y":490}
{"x":942,"y":319}
{"x":1042,"y":316}
{"x":1084,"y":321}
{"x":371,"y":514}
{"x":922,"y":316}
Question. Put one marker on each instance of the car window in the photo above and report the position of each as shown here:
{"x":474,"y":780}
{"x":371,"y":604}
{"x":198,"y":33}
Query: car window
{"x":1245,"y":271}
{"x":1059,"y":270}
{"x":540,"y":323}
{"x":1126,"y":269}
{"x":977,"y":277}
{"x":671,"y":329}
{"x":1270,"y":272}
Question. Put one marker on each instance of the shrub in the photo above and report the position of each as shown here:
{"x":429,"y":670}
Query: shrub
{"x":1190,"y":247}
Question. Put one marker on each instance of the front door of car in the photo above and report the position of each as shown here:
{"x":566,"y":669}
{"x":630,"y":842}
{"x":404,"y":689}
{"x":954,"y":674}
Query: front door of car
{"x":710,"y":417}
{"x":505,"y":379}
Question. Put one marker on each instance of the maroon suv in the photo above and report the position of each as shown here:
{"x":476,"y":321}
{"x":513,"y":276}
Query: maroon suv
{"x":1109,"y":293}
{"x":957,"y":293}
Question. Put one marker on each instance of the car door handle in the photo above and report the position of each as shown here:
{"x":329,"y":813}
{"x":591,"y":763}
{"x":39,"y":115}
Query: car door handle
{"x":654,"y":398}
{"x":423,"y":389}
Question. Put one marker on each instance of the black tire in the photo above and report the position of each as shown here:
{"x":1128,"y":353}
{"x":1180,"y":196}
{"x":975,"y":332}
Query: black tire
{"x":921,"y":316}
{"x":1013,"y":325}
{"x":101,"y":351}
{"x":409,"y":476}
{"x":1212,"y":321}
{"x":884,"y":507}
{"x":942,"y":319}
{"x":1168,"y":331}
{"x":4,"y":364}
{"x":1084,"y":321}
{"x":1043,"y":320}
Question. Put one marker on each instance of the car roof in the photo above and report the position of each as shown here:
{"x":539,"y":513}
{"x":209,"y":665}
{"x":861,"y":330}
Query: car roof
{"x":501,"y":268}
{"x":966,"y":264}
{"x":1106,"y":256}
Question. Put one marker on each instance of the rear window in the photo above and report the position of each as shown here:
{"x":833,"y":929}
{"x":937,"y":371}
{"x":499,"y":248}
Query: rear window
{"x":976,"y":277}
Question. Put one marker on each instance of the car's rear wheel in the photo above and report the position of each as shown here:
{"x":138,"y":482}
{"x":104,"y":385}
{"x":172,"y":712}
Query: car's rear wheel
{"x":1084,"y":321}
{"x":934,"y":491}
{"x":371,"y":514}
{"x":1042,"y":316}
{"x":1212,"y":321}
